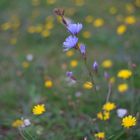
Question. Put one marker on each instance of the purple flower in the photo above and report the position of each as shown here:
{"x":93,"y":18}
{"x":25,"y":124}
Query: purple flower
{"x":70,"y":42}
{"x":106,"y":75}
{"x":95,"y":66}
{"x":69,"y":74}
{"x":75,"y":28}
{"x":82,"y":49}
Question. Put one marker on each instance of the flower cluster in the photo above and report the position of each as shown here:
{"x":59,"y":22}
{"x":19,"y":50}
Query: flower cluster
{"x":72,"y":40}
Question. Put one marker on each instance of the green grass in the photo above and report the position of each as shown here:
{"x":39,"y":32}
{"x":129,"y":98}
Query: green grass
{"x":67,"y":117}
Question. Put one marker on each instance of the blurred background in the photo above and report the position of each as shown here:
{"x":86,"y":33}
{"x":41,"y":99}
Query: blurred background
{"x":33,"y":65}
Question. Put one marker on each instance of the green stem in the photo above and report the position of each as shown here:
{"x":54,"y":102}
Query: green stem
{"x":90,"y":74}
{"x":109,"y":92}
{"x":20,"y":131}
{"x":117,"y":137}
{"x":29,"y":135}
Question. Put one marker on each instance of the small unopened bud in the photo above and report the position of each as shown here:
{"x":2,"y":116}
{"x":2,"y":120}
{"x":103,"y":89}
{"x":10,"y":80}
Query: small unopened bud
{"x":69,"y":74}
{"x":106,"y":75}
{"x":95,"y":66}
{"x":59,"y":11}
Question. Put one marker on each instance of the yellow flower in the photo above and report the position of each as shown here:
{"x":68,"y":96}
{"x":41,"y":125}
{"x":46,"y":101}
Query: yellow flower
{"x":45,"y":33}
{"x":107,"y":63}
{"x":129,"y":8}
{"x":69,"y":53}
{"x":35,"y":2}
{"x":112,"y":80}
{"x":74,"y":63}
{"x":31,"y":29}
{"x":38,"y":28}
{"x":17,"y":123}
{"x":129,"y":121}
{"x":48,"y":83}
{"x":105,"y":115}
{"x":49,"y":18}
{"x":130,"y":20}
{"x":109,"y":106}
{"x":51,"y":2}
{"x":113,"y":10}
{"x":71,"y":11}
{"x":79,"y":2}
{"x":122,"y":87}
{"x":137,"y":2}
{"x":86,"y":34}
{"x":49,"y":25}
{"x":87,"y":85}
{"x":124,"y":74}
{"x":98,"y":22}
{"x":100,"y":135}
{"x":6,"y":26}
{"x":121,"y":29}
{"x":13,"y":41}
{"x":39,"y":109}
{"x":89,"y":19}
{"x":25,"y":64}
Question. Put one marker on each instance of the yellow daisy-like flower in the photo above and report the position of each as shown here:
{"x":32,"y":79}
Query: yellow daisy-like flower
{"x":31,"y":29}
{"x":105,"y":115}
{"x":109,"y":106}
{"x":13,"y":41}
{"x":113,"y":10}
{"x":124,"y":74}
{"x":45,"y":33}
{"x":69,"y":53}
{"x":17,"y":123}
{"x":74,"y":63}
{"x":129,"y":121}
{"x":100,"y":135}
{"x":51,"y":1}
{"x":112,"y":80}
{"x":25,"y":64}
{"x":130,"y":20}
{"x":39,"y":109}
{"x":98,"y":22}
{"x":49,"y":25}
{"x":48,"y":83}
{"x":129,"y":8}
{"x":35,"y":2}
{"x":79,"y":2}
{"x":89,"y":19}
{"x":87,"y":85}
{"x":107,"y":63}
{"x":123,"y":87}
{"x":121,"y":29}
{"x":86,"y":34}
{"x":6,"y":26}
{"x":39,"y":28}
{"x":137,"y":2}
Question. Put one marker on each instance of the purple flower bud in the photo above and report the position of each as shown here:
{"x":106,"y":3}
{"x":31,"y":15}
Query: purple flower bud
{"x":74,"y":28}
{"x":82,"y":49}
{"x":106,"y":75}
{"x":95,"y":66}
{"x":70,"y":42}
{"x":69,"y":74}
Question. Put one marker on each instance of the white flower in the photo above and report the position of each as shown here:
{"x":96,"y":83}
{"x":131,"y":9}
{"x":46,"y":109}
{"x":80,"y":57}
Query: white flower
{"x":78,"y":94}
{"x":26,"y":122}
{"x":121,"y":112}
{"x":29,"y":57}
